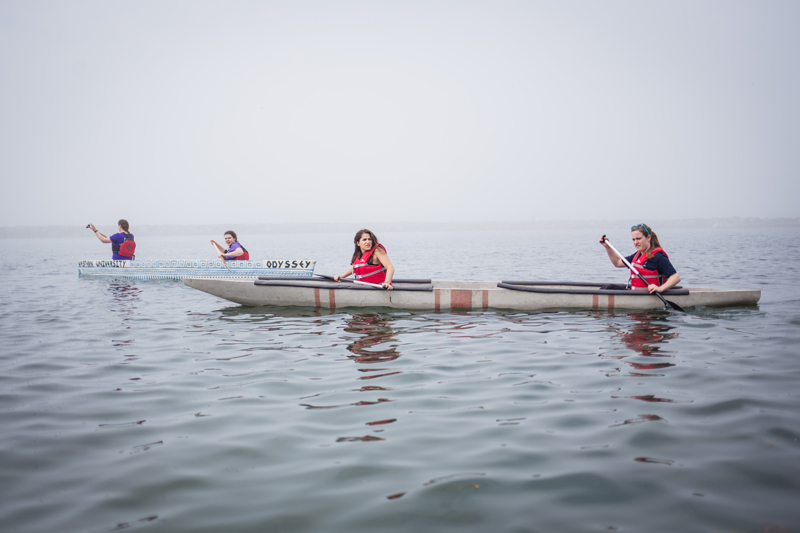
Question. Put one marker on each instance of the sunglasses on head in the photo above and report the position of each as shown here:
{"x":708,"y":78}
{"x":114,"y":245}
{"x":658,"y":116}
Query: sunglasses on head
{"x":640,"y":227}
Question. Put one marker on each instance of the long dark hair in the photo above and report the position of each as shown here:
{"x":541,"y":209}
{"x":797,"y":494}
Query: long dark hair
{"x":359,"y":233}
{"x":653,"y":239}
{"x":124,"y":225}
{"x":235,"y":239}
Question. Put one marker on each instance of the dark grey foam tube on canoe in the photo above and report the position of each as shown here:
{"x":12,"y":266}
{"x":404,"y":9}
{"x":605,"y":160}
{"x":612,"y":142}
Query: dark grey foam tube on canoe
{"x":318,"y":278}
{"x":319,"y":284}
{"x":581,"y":288}
{"x":570,"y":283}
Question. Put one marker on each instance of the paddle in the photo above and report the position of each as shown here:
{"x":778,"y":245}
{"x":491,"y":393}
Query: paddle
{"x":223,"y":261}
{"x":667,"y":304}
{"x":374,"y":285}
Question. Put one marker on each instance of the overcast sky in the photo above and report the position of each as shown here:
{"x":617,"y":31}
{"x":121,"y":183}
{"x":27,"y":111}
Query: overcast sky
{"x":167,"y":112}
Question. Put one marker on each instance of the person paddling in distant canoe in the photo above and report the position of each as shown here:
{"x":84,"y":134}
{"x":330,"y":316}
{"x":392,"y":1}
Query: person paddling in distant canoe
{"x":370,"y":262}
{"x":650,"y":260}
{"x":234,"y":251}
{"x":122,"y":244}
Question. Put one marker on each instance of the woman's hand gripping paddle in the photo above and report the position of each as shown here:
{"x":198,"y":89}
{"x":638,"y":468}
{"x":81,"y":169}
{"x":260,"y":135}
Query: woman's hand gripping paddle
{"x":223,"y":261}
{"x":667,"y":303}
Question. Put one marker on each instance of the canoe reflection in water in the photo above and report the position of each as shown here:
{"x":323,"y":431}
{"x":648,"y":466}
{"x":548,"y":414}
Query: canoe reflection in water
{"x":375,"y":330}
{"x":125,"y":296}
{"x":124,"y":292}
{"x":372,"y":330}
{"x":646,"y":334}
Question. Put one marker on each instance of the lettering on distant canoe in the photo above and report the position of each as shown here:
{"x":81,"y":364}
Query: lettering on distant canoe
{"x":195,"y":268}
{"x":116,"y":263}
{"x":286,"y":263}
{"x":198,"y":263}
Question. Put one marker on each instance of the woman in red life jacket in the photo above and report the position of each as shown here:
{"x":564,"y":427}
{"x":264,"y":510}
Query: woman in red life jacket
{"x":122,"y":244}
{"x":234,"y":250}
{"x":370,"y":261}
{"x":650,"y":260}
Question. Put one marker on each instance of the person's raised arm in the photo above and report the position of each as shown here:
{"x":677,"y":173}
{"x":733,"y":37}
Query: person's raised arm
{"x":614,"y":258}
{"x":99,"y":235}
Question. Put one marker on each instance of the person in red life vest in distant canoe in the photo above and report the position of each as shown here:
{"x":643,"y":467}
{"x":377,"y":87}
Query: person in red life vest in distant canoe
{"x":650,"y":260}
{"x":370,"y":261}
{"x":122,"y":243}
{"x":234,"y":250}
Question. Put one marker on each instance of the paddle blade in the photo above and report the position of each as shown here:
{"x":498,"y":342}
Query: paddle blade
{"x":674,"y":306}
{"x":670,"y":305}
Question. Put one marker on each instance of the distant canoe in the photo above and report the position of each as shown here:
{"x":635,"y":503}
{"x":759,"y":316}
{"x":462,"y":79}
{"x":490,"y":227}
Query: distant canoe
{"x":177,"y":269}
{"x":466,"y":295}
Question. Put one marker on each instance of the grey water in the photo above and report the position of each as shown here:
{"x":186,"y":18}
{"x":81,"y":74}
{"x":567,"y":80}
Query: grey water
{"x":149,"y":406}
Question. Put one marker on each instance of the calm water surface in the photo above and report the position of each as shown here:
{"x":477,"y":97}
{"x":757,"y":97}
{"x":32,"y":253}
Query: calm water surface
{"x":151,"y":406}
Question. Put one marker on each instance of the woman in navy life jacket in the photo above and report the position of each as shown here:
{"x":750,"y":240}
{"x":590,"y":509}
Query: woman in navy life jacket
{"x":234,"y":250}
{"x":370,"y":262}
{"x":122,"y":244}
{"x":650,"y":260}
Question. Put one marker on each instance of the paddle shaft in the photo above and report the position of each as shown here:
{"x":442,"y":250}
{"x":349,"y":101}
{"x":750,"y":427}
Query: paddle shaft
{"x":374,"y":285}
{"x":223,"y":261}
{"x":633,"y":269}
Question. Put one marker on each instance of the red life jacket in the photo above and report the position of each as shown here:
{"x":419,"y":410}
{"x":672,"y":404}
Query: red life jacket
{"x":652,"y":276}
{"x":126,"y":248}
{"x":244,"y":257}
{"x":373,"y":273}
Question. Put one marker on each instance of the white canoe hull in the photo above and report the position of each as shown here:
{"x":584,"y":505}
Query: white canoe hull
{"x":465,"y":295}
{"x":177,"y":269}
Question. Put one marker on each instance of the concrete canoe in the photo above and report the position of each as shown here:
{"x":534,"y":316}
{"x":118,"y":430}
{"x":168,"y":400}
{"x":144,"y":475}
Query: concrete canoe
{"x":462,"y":295}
